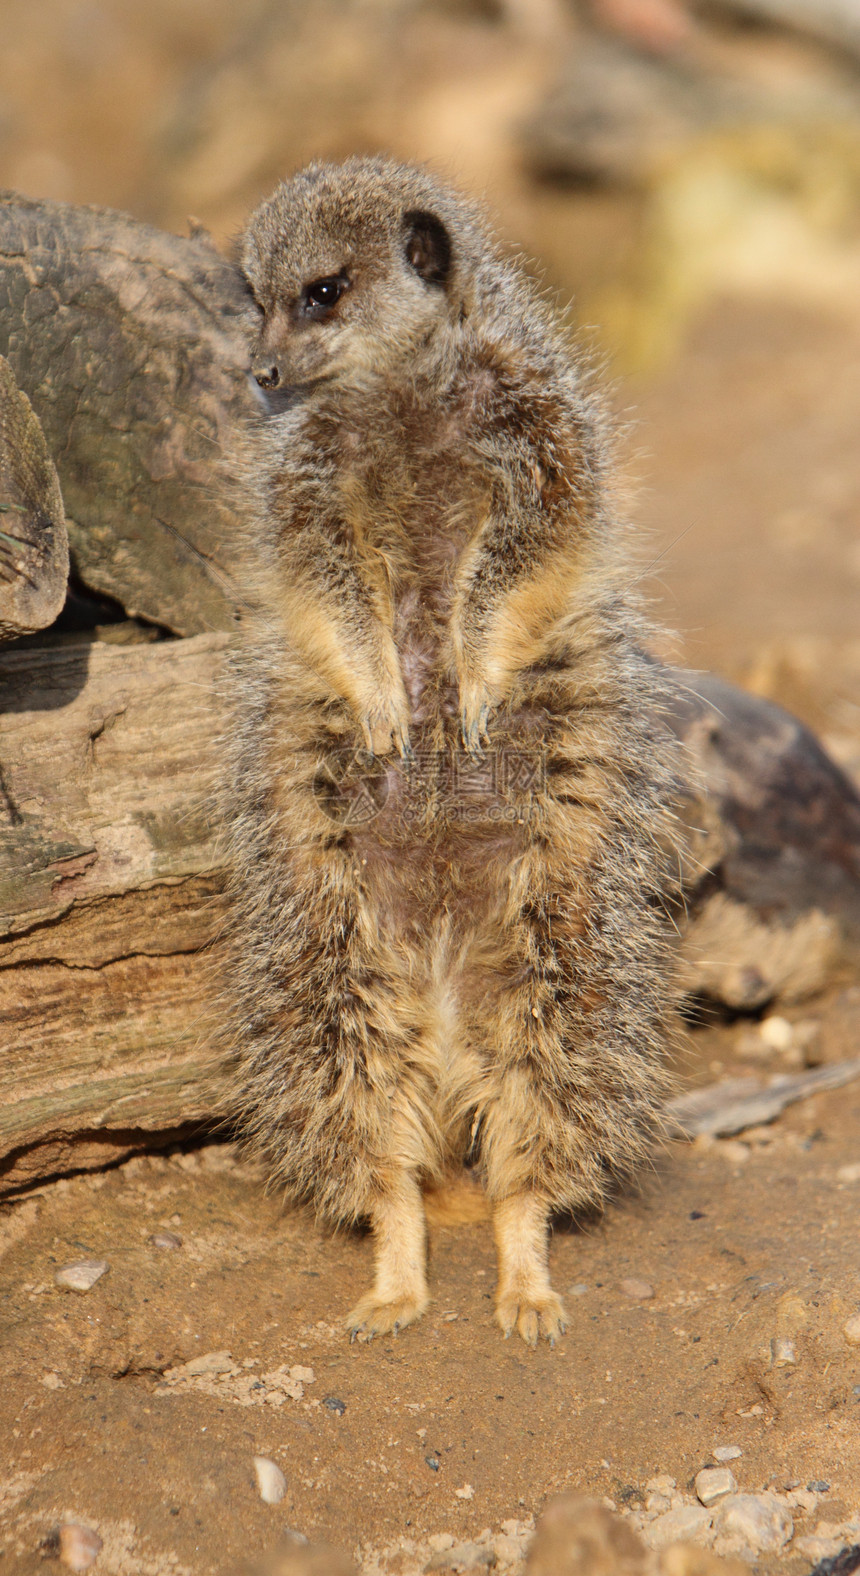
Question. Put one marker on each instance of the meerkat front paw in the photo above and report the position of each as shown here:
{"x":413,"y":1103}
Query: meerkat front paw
{"x":376,"y":1315}
{"x":477,"y":701}
{"x":532,"y":1314}
{"x":386,"y":728}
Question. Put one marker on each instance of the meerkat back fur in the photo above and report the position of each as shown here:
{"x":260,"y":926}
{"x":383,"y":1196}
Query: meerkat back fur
{"x":450,"y":786}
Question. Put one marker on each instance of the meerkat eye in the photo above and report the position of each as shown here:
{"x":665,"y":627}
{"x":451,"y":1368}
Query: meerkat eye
{"x":321,"y":295}
{"x":428,"y":246}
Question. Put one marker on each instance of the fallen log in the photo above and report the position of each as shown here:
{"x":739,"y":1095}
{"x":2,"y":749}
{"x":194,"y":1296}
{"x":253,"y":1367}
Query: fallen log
{"x":34,"y":545}
{"x":132,"y":346}
{"x":111,"y":880}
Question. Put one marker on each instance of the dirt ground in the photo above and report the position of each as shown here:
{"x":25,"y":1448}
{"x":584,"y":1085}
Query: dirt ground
{"x":448,"y":1428}
{"x":745,"y":486}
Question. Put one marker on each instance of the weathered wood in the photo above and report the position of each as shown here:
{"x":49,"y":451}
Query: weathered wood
{"x":109,"y":895}
{"x":132,"y":345}
{"x":34,"y":546}
{"x":111,"y":873}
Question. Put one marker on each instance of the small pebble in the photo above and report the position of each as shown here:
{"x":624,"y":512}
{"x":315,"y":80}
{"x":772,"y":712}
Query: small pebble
{"x":79,"y":1547}
{"x":662,"y":1484}
{"x":466,"y":1492}
{"x":728,"y":1453}
{"x":164,"y":1239}
{"x":334,"y":1405}
{"x":52,"y":1381}
{"x":713,"y":1483}
{"x":784,"y":1354}
{"x":819,"y":1486}
{"x":851,"y":1330}
{"x":81,"y":1276}
{"x":848,"y":1173}
{"x":270,"y":1480}
{"x":777,"y":1033}
{"x":752,"y":1521}
{"x":578,"y":1290}
{"x":639,"y":1289}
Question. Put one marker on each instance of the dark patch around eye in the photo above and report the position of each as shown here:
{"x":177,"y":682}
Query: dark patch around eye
{"x":428,"y":246}
{"x":320,"y":297}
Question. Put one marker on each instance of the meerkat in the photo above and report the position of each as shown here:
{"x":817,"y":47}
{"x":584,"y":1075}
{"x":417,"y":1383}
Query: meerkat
{"x":450,"y":785}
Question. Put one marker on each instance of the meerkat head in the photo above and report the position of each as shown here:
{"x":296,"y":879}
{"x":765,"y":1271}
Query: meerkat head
{"x":354,"y":266}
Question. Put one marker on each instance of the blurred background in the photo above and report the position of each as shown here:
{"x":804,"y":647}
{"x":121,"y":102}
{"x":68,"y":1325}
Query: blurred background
{"x":685,"y":178}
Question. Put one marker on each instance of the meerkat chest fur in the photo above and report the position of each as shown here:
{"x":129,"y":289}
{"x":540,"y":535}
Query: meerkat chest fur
{"x":408,"y":487}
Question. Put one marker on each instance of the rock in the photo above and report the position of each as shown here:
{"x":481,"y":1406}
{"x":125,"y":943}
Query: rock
{"x":438,"y":1542}
{"x":466,"y":1492}
{"x":727,"y":1453}
{"x":851,"y":1330}
{"x":206,"y":1363}
{"x":297,"y":1557}
{"x":756,"y":1522}
{"x":78,"y":1547}
{"x":776,"y":1032}
{"x":640,"y":1290}
{"x":662,"y":1484}
{"x":686,"y":1524}
{"x":164,"y":1239}
{"x":784,"y":1353}
{"x":463,"y":1558}
{"x":302,"y":1375}
{"x":509,"y":1550}
{"x":713,"y":1483}
{"x":578,"y":1537}
{"x":270,"y":1480}
{"x":682,"y":1559}
{"x":82,"y":1275}
{"x":849,"y":1173}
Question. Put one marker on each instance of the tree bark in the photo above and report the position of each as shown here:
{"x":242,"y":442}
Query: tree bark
{"x":110,"y":886}
{"x":34,"y":546}
{"x":132,"y":346}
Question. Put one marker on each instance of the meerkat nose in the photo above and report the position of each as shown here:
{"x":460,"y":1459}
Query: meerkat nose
{"x":268,"y":377}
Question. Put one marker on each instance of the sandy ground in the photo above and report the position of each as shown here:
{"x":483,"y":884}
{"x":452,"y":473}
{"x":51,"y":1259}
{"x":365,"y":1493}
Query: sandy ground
{"x":447,"y":1428}
{"x":747,"y":473}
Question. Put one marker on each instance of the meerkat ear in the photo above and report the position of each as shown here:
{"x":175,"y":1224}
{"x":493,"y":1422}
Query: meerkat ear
{"x":428,"y":246}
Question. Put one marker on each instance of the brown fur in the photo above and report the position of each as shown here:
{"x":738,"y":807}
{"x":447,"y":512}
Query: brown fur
{"x":481,"y":967}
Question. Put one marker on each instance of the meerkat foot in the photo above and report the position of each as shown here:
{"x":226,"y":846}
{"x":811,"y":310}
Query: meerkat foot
{"x":533,"y":1314}
{"x":525,"y":1301}
{"x":399,"y":1295}
{"x":375,"y":1315}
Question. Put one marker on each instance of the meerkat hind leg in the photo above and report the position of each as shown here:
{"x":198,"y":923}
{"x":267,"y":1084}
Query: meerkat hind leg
{"x":525,"y":1300}
{"x":399,"y":1293}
